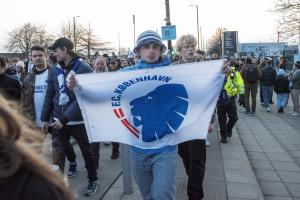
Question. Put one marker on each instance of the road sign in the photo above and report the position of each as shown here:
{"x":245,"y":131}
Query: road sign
{"x":168,"y":32}
{"x":229,"y":43}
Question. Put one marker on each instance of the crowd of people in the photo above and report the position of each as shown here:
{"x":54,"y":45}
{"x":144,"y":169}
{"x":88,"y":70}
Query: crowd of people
{"x":44,"y":88}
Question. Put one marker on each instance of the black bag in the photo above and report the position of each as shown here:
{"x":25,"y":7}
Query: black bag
{"x":251,"y":75}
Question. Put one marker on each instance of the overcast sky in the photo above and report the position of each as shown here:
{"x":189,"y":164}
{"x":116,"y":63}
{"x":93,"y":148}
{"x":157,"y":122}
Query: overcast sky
{"x":252,"y":19}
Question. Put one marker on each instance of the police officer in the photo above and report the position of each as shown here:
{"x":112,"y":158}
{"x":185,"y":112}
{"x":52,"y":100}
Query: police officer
{"x":226,"y":106}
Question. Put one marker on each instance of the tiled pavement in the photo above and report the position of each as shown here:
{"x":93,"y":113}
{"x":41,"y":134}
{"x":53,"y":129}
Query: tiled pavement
{"x":271,"y":141}
{"x":261,"y":161}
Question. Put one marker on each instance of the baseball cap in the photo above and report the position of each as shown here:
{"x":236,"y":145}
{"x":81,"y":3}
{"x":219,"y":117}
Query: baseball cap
{"x":62,"y":42}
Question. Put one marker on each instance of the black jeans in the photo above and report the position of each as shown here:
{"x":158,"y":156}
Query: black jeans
{"x":227,"y":110}
{"x":193,"y":155}
{"x":96,"y":151}
{"x":70,"y":153}
{"x":250,"y":89}
{"x":115,"y":146}
{"x":60,"y":140}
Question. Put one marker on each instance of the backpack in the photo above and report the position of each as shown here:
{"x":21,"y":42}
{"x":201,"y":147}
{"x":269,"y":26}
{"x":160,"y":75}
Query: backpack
{"x":251,"y":75}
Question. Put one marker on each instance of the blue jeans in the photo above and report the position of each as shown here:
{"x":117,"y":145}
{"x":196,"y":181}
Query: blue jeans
{"x":267,"y":93}
{"x":282,"y":99}
{"x":155,"y":174}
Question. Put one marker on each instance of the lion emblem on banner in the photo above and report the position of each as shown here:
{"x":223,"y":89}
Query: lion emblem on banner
{"x":161,"y":111}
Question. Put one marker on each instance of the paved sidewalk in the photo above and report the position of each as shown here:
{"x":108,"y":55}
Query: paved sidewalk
{"x":271,"y":143}
{"x":228,"y":175}
{"x":261,"y":161}
{"x":214,"y":182}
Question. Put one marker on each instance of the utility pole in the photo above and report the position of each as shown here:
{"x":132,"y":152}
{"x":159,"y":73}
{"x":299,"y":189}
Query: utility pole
{"x":201,"y":44}
{"x":119,"y":53}
{"x":299,"y":37}
{"x":133,"y":18}
{"x":74,"y":32}
{"x":278,"y":35}
{"x":168,"y":21}
{"x":69,"y":31}
{"x":198,"y":37}
{"x":89,"y":42}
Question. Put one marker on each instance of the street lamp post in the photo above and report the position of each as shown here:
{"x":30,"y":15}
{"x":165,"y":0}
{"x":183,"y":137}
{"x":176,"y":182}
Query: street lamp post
{"x":133,"y":20}
{"x":168,"y":21}
{"x":197,"y":26}
{"x":74,"y":31}
{"x":299,"y":37}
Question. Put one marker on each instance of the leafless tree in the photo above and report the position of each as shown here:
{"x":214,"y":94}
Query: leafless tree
{"x":67,"y":31}
{"x":21,"y":39}
{"x":89,"y":42}
{"x":289,"y":17}
{"x":42,"y":37}
{"x":215,"y":42}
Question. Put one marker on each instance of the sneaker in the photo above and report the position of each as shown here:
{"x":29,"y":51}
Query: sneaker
{"x":224,"y":140}
{"x":295,"y":114}
{"x":247,"y":113}
{"x":91,"y":188}
{"x":106,"y":143}
{"x":115,"y":154}
{"x":72,"y":169}
{"x":268,"y":109}
{"x":243,"y":110}
{"x":207,"y":142}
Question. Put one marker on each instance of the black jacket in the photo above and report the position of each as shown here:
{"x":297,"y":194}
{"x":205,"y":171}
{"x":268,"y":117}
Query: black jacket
{"x":282,"y":84}
{"x":10,"y":87}
{"x":268,"y":76}
{"x":70,"y":111}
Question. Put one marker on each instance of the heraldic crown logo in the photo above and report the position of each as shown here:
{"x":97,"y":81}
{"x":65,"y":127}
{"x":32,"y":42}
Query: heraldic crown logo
{"x":161,"y":111}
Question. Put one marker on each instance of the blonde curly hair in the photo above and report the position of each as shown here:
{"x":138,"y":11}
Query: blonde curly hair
{"x":183,"y":40}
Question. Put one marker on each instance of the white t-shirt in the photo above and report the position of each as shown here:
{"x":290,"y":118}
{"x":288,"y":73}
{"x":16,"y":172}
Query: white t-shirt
{"x":40,"y":89}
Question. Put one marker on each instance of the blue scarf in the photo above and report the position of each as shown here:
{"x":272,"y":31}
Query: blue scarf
{"x":60,"y":74}
{"x":142,"y":65}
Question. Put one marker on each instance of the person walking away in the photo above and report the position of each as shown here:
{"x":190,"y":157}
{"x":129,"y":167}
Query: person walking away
{"x":282,"y":89}
{"x":267,"y":81}
{"x":251,"y":75}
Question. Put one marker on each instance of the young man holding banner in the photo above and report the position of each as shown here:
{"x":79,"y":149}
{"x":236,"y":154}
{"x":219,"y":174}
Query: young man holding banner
{"x":154,"y":169}
{"x":193,"y":152}
{"x":152,"y":108}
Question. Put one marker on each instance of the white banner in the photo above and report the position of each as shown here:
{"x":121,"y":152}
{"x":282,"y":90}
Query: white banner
{"x":150,"y":108}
